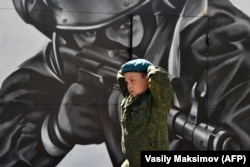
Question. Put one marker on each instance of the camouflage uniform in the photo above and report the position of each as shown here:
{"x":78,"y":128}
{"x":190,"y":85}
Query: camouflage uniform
{"x":144,"y":117}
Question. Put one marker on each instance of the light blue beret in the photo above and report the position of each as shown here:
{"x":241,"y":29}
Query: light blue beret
{"x":136,"y":65}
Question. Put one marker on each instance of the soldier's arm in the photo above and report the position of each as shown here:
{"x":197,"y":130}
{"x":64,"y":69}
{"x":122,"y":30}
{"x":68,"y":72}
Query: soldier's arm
{"x":24,"y":104}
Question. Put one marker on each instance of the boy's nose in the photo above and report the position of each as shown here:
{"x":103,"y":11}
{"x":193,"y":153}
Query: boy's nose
{"x":129,"y":86}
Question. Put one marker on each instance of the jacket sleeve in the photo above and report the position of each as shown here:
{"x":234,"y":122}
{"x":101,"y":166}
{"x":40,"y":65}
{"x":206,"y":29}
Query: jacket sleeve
{"x":160,"y":86}
{"x":122,"y":84}
{"x":26,"y":98}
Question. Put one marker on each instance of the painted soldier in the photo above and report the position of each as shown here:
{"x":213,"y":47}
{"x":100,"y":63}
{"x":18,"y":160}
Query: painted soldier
{"x":47,"y":105}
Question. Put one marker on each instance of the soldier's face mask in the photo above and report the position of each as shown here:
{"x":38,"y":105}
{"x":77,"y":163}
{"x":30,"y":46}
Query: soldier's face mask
{"x":120,"y":35}
{"x":102,"y":51}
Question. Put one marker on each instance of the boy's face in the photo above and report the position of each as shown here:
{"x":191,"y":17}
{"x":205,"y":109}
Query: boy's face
{"x":137,"y":82}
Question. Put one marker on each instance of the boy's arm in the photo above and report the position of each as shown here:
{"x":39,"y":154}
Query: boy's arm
{"x":160,"y":86}
{"x":122,"y":84}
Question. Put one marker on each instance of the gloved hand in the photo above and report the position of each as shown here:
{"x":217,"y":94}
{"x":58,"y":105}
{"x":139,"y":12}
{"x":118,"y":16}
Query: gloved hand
{"x":78,"y":117}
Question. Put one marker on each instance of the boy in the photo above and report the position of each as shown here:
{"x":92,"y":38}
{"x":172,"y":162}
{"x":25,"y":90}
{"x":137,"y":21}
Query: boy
{"x":147,"y":99}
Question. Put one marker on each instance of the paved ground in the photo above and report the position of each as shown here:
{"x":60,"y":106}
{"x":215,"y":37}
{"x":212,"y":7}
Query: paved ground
{"x":89,"y":156}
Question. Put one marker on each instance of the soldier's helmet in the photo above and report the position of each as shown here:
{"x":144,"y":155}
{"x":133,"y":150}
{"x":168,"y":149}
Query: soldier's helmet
{"x":48,"y":15}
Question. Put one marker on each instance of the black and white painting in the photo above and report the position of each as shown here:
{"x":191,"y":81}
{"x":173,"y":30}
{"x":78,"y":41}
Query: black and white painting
{"x":59,"y":61}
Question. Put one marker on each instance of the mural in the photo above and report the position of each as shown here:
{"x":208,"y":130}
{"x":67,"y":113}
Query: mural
{"x":63,"y":99}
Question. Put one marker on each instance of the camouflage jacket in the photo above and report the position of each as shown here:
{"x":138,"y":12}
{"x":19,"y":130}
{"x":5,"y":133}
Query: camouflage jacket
{"x":144,"y":117}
